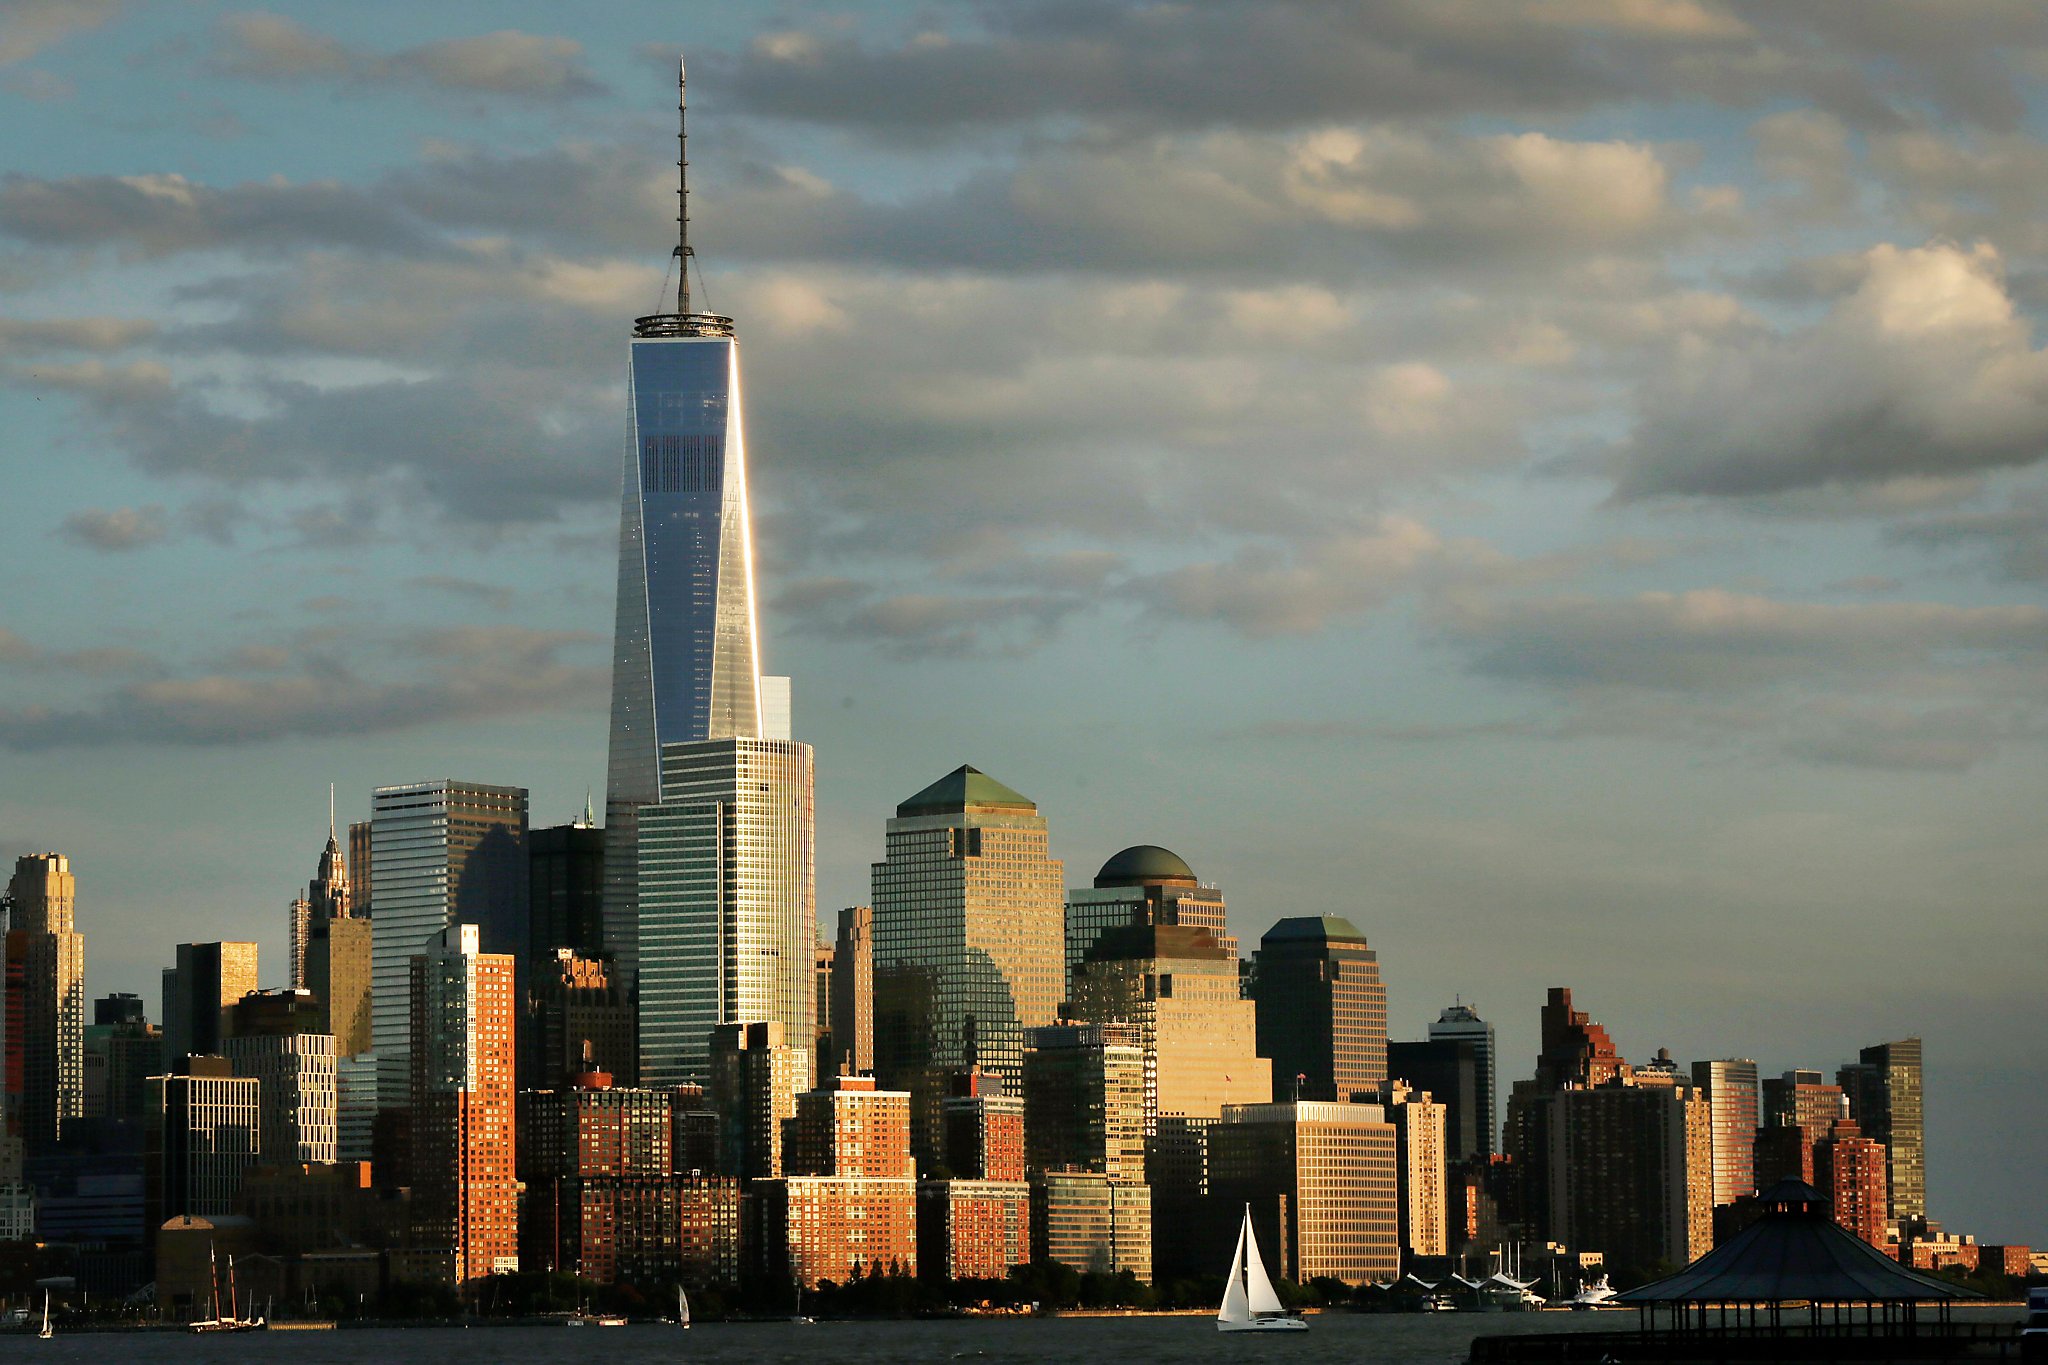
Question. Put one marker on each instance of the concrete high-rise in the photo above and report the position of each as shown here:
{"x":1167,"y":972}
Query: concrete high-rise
{"x":851,"y":994}
{"x":1630,"y":1172}
{"x":209,"y":978}
{"x":847,"y":1202}
{"x":576,"y":1019}
{"x":755,"y":1079}
{"x":446,"y":853}
{"x":1460,"y":1023}
{"x":727,"y":892}
{"x":279,"y":1038}
{"x":1885,"y":1099}
{"x":686,"y":663}
{"x":1322,"y":1010}
{"x":1849,"y":1169}
{"x":338,"y":965}
{"x":1730,"y":1088}
{"x":1143,"y":885}
{"x":464,"y":1147}
{"x":1419,"y":1166}
{"x":969,"y":916}
{"x":45,"y":1001}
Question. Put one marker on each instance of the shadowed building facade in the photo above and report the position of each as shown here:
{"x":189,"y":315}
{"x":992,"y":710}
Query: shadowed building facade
{"x":1322,"y":1011}
{"x":446,"y":853}
{"x":1139,"y":885}
{"x":1885,"y":1099}
{"x":1329,"y":1170}
{"x":45,"y":1002}
{"x":968,"y":923}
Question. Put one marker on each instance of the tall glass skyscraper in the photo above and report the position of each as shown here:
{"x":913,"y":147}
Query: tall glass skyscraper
{"x":446,"y":853}
{"x":727,"y":900}
{"x":686,"y":660}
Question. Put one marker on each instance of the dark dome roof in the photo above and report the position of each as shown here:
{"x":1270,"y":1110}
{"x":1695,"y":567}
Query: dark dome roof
{"x":1313,"y":929}
{"x":1141,"y":864}
{"x":966,"y":788}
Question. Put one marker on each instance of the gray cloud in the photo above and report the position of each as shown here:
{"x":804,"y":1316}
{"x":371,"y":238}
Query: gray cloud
{"x":1278,"y":63}
{"x":30,"y":335}
{"x":447,"y":676}
{"x":271,"y":47}
{"x":2014,"y":537}
{"x":29,"y":26}
{"x":1926,"y":370}
{"x":919,"y":625}
{"x":160,"y":214}
{"x":117,"y":528}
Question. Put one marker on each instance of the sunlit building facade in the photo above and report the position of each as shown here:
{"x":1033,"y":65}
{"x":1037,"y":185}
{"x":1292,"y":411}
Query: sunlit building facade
{"x":727,"y":892}
{"x":686,"y":662}
{"x":1730,"y":1088}
{"x":1883,"y":1088}
{"x":969,"y":914}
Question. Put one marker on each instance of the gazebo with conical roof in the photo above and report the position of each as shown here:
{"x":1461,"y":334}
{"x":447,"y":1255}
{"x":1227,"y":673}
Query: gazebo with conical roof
{"x":1796,"y":1255}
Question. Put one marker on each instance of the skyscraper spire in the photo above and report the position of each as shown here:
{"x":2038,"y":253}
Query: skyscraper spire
{"x":330,"y":813}
{"x":683,"y":256}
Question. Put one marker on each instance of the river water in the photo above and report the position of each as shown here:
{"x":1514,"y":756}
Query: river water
{"x":1352,"y":1339}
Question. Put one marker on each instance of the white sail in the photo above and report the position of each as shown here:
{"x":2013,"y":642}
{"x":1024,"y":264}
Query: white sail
{"x":682,"y":1306}
{"x":1258,"y":1288}
{"x":1236,"y":1307}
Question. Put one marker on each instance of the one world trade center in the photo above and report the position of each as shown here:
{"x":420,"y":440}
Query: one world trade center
{"x":686,"y":658}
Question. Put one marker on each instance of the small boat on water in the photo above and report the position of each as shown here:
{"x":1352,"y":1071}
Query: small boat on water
{"x":1249,"y":1303}
{"x":1598,"y":1294}
{"x":682,"y":1308}
{"x":593,"y":1320}
{"x":46,"y":1333}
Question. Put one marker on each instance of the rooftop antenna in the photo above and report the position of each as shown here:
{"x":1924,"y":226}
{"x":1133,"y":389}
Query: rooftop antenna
{"x":330,"y":812}
{"x":683,"y":256}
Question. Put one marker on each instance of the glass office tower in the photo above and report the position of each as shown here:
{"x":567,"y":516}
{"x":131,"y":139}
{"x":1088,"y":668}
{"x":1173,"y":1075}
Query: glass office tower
{"x":728,"y":902}
{"x":685,"y":664}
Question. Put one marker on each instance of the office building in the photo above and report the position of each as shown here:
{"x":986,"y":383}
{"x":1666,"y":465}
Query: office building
{"x":1576,"y":1053}
{"x":45,"y":1002}
{"x":1450,"y":1069}
{"x":1850,"y":1170}
{"x":968,"y":924}
{"x":359,"y":852}
{"x":208,"y":978}
{"x":1143,"y":885}
{"x":121,"y":1007}
{"x":821,"y":1003}
{"x":565,"y":889}
{"x":1884,"y":1093}
{"x":1084,"y":1099}
{"x":1092,"y":1222}
{"x":446,"y":853}
{"x":1420,"y":1168}
{"x":338,"y":967}
{"x":974,"y":1215}
{"x":279,"y":1039}
{"x":1179,"y":984}
{"x":727,"y":900}
{"x":205,"y":1132}
{"x":603,"y":1197}
{"x":1802,"y":1099}
{"x":1460,"y":1023}
{"x":1327,"y":1172}
{"x":1730,"y":1089}
{"x":355,"y":1106}
{"x":326,"y":898}
{"x":1322,"y":1011}
{"x":1630,"y":1173}
{"x":463,"y":1144}
{"x":755,"y":1079}
{"x":686,"y":660}
{"x":124,"y":1056}
{"x":576,"y":1019}
{"x":851,"y":994}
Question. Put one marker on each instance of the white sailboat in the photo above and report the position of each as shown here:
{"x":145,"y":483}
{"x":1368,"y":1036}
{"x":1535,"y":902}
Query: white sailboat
{"x":1249,"y":1303}
{"x":682,"y":1307}
{"x":46,"y":1334}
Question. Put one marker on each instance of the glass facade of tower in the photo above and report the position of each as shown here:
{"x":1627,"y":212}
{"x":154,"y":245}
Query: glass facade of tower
{"x":446,"y":853}
{"x":1461,"y":1023}
{"x":685,"y":663}
{"x":727,"y":883}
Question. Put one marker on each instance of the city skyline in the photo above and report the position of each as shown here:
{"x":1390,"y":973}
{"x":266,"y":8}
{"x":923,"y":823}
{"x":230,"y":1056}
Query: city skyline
{"x":1573,"y":694}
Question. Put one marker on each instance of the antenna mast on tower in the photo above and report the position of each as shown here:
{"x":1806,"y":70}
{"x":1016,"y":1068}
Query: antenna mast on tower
{"x":682,"y":192}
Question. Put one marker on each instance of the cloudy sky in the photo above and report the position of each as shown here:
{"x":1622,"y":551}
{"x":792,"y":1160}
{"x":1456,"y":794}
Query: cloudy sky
{"x":1559,"y":482}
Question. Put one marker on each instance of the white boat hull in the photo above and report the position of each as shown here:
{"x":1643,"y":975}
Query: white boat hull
{"x":1264,"y":1325}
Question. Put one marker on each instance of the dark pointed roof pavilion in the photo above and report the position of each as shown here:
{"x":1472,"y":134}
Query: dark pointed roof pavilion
{"x":1795,"y":1252}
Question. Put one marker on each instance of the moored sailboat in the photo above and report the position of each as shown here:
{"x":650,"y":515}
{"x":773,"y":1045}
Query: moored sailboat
{"x":1249,"y":1303}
